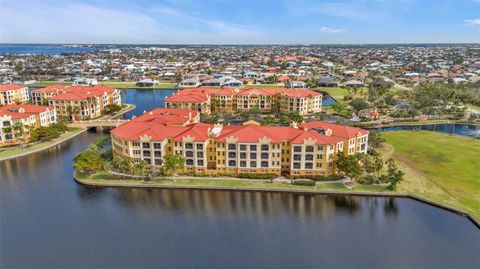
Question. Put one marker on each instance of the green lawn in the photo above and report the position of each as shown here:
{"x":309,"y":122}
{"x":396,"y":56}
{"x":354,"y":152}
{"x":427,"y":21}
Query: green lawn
{"x":5,"y":154}
{"x":49,"y":83}
{"x":441,"y":167}
{"x":103,"y":177}
{"x":337,"y":93}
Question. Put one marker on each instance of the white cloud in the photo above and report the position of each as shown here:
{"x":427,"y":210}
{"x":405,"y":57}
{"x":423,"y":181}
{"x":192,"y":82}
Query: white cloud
{"x":326,"y":29}
{"x":74,"y":22}
{"x":473,"y":21}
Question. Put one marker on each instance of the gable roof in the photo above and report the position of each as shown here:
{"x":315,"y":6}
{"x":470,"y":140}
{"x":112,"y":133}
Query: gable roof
{"x":337,"y":129}
{"x":10,"y":87}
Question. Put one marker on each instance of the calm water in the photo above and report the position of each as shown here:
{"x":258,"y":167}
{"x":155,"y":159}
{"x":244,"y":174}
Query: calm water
{"x":458,"y":129}
{"x":49,"y":221}
{"x":50,"y":49}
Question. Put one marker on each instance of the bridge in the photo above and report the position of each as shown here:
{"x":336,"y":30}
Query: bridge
{"x":97,"y":123}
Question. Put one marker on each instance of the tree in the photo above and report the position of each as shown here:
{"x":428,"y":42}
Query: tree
{"x":375,"y":140}
{"x":394,"y":175}
{"x":349,"y":165}
{"x":122,"y":164}
{"x":88,"y":161}
{"x":112,"y":108}
{"x":173,"y":162}
{"x":19,"y":132}
{"x":338,"y":107}
{"x":140,"y":167}
{"x":359,"y":104}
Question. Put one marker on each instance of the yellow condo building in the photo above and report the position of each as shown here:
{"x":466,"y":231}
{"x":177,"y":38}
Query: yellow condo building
{"x":294,"y":151}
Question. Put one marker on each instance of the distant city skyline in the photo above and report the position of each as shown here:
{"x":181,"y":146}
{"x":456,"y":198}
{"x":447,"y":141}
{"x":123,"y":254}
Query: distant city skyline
{"x":240,"y":22}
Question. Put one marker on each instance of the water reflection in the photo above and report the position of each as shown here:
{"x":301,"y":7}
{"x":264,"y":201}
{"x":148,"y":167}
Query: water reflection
{"x":229,"y":203}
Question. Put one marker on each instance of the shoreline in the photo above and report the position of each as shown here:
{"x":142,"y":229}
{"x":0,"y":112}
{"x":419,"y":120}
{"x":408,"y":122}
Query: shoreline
{"x":153,"y":185}
{"x":418,"y":123}
{"x":47,"y":146}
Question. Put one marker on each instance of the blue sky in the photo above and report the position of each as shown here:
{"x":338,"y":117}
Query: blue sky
{"x":239,"y":22}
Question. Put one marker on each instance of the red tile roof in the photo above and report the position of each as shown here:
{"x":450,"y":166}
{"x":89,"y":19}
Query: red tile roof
{"x":337,"y":129}
{"x":187,"y":98}
{"x":167,"y":116}
{"x":300,"y":93}
{"x":158,"y":131}
{"x":50,"y":88}
{"x":10,"y":87}
{"x":76,"y":93}
{"x":27,"y":110}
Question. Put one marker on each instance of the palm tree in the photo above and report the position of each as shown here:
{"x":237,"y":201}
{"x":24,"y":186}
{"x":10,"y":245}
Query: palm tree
{"x":19,"y":131}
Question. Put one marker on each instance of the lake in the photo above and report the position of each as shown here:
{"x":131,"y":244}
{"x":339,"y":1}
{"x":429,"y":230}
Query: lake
{"x":49,"y":221}
{"x":448,"y":128}
{"x":49,"y":49}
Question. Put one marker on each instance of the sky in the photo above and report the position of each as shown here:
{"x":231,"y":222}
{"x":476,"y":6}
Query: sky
{"x":239,"y":22}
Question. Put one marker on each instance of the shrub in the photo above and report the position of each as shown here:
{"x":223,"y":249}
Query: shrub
{"x":304,"y":182}
{"x":255,"y":176}
{"x":325,"y":178}
{"x":367,"y":180}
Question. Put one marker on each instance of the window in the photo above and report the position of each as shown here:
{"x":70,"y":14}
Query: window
{"x":232,"y":146}
{"x":296,"y":165}
{"x":308,"y":165}
{"x":189,"y":153}
{"x":264,"y":164}
{"x":253,"y":164}
{"x":253,"y":147}
{"x":188,"y":145}
{"x":232,"y":163}
{"x":189,"y":162}
{"x":136,"y":144}
{"x":145,"y":145}
{"x":320,"y":147}
{"x":158,"y":161}
{"x":264,"y":155}
{"x":157,"y":153}
{"x":265,"y":147}
{"x":232,"y":155}
{"x":297,"y":148}
{"x":253,"y":156}
{"x":309,"y":149}
{"x":200,"y":162}
{"x":149,"y":161}
{"x":199,"y":154}
{"x":243,"y":147}
{"x":243,"y":164}
{"x":146,"y":153}
{"x":199,"y":146}
{"x":243,"y":155}
{"x":157,"y":145}
{"x":309,"y":157}
{"x":297,"y":157}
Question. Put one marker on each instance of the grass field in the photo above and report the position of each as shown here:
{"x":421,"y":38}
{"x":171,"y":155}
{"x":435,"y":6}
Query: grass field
{"x":441,"y":167}
{"x":337,"y":93}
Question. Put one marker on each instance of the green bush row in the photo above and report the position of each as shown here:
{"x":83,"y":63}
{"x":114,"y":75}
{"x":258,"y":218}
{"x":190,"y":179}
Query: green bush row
{"x":304,"y":182}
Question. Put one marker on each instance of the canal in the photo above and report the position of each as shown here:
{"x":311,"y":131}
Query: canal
{"x":49,"y":221}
